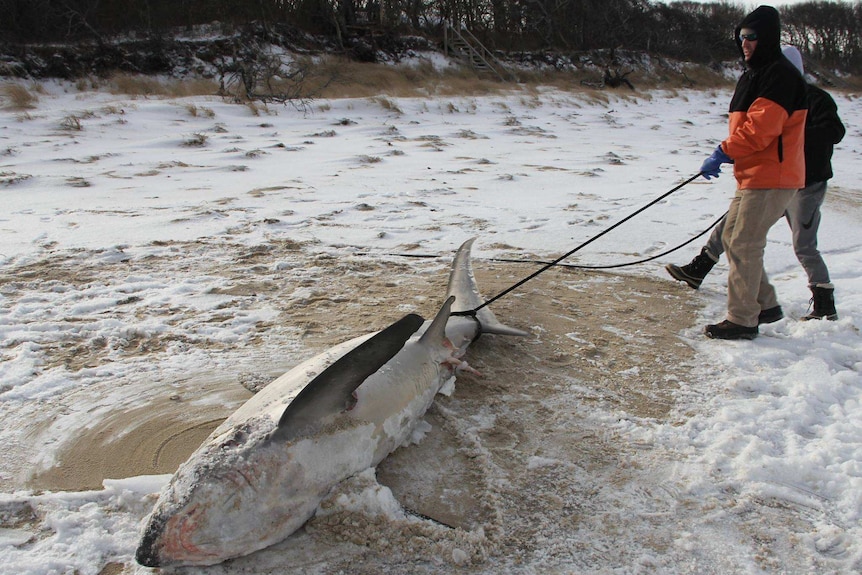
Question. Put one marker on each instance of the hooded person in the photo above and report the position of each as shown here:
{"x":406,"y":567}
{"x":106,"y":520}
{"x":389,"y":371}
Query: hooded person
{"x":823,"y":129}
{"x":795,"y":58}
{"x":766,"y":147}
{"x":767,"y":110}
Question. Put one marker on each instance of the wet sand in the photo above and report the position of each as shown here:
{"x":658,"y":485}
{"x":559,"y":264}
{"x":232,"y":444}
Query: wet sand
{"x":587,"y":328}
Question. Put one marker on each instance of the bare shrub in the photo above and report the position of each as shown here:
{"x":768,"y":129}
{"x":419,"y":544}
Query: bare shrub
{"x":255,"y":108}
{"x":11,"y":178}
{"x":196,"y":140}
{"x":388,"y":105}
{"x":424,"y":79}
{"x":83,"y":84}
{"x":136,"y":85}
{"x":113,"y":110}
{"x":196,"y":111}
{"x":254,"y":73}
{"x":20,"y":98}
{"x":192,"y":87}
{"x":77,"y":182}
{"x":421,"y":72}
{"x":71,"y":123}
{"x":593,"y":96}
{"x":364,"y":80}
{"x":458,"y":82}
{"x":140,"y":85}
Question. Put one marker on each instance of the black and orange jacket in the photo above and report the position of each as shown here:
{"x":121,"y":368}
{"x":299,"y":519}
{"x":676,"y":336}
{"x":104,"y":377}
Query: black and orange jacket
{"x":767,"y":112}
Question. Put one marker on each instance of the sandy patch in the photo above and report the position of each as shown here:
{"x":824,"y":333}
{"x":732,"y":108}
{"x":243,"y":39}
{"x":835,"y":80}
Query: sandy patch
{"x":597,"y":338}
{"x":508,"y":455}
{"x":150,"y":440}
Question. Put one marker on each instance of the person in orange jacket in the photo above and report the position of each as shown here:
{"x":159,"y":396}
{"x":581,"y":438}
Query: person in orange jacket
{"x":766,"y":147}
{"x":823,"y":129}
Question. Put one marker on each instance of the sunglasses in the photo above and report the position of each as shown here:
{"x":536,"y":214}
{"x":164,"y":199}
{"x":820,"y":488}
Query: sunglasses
{"x":750,"y":37}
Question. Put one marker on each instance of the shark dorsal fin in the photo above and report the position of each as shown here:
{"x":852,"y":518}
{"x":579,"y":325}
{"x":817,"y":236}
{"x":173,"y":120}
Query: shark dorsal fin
{"x":436,"y":332}
{"x":331,"y":392}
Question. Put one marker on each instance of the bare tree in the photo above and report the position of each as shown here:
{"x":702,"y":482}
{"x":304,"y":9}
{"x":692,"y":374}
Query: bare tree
{"x":826,"y":30}
{"x":254,"y":72}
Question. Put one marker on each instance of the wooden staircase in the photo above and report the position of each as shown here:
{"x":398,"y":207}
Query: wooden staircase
{"x":825,"y":77}
{"x":461,"y":43}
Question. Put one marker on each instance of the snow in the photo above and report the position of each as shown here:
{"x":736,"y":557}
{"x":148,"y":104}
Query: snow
{"x":778,"y":419}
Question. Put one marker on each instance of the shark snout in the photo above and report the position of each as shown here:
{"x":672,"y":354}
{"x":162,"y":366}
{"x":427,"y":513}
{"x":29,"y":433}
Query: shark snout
{"x":172,"y":539}
{"x":147,"y":553}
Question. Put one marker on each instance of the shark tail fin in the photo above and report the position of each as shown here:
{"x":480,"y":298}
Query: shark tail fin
{"x":462,"y":285}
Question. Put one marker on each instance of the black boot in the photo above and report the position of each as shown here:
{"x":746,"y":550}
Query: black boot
{"x":730,"y":330}
{"x":770,"y":315}
{"x":693,"y":273}
{"x":824,"y":304}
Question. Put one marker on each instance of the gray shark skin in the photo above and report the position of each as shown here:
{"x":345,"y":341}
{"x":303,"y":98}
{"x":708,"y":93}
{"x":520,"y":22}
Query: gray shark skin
{"x":262,"y":473}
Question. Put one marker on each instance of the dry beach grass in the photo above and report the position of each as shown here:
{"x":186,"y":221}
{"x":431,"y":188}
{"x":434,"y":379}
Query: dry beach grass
{"x":337,"y":77}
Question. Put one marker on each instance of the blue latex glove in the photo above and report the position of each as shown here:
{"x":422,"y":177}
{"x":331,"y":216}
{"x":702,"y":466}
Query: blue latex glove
{"x":711,"y":167}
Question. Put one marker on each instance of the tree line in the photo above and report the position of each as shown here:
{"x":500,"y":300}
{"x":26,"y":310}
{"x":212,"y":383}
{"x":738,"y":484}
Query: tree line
{"x":827,"y":31}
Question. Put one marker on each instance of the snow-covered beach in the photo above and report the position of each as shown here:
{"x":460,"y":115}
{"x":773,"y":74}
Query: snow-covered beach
{"x":160,"y":259}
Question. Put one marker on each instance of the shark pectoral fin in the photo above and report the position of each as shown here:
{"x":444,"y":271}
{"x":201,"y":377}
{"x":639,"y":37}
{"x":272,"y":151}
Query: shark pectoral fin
{"x":332,"y":391}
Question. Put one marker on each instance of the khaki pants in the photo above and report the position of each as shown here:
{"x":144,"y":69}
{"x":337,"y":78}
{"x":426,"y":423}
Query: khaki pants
{"x":751,"y":214}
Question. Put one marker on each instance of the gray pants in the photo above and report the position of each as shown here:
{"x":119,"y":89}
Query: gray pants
{"x":803,"y":216}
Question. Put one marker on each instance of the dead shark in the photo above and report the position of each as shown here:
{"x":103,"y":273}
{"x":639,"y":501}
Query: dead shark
{"x":262,"y":473}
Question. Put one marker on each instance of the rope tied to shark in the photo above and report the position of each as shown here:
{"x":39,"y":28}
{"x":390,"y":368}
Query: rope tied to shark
{"x":549,"y":265}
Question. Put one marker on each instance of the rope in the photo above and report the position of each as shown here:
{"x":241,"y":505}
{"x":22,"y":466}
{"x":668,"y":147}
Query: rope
{"x":564,"y":265}
{"x":583,"y":245}
{"x":612,"y":266}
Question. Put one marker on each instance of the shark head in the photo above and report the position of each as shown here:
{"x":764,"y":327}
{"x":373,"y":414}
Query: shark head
{"x":231,"y":498}
{"x":245,"y":490}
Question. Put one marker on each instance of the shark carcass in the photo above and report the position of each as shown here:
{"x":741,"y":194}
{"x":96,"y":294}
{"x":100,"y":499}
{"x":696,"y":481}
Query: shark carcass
{"x":262,"y":473}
